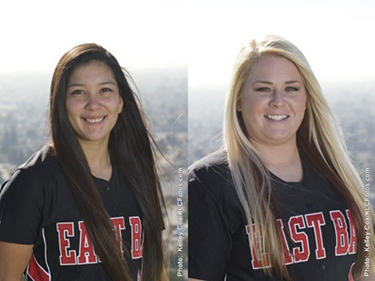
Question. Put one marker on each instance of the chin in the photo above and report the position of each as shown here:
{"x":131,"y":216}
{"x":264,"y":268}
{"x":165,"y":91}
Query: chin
{"x":94,"y":139}
{"x":280,"y":138}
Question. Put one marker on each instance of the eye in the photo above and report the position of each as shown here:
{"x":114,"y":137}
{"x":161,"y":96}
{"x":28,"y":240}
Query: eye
{"x":77,"y":92}
{"x":291,"y":89}
{"x":106,"y":90}
{"x":263,"y":89}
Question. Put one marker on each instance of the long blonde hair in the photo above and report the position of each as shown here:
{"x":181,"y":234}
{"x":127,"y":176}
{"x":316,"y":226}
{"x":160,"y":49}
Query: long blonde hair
{"x":319,"y":138}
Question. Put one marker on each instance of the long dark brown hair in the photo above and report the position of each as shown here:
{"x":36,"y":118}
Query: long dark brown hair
{"x":131,"y":150}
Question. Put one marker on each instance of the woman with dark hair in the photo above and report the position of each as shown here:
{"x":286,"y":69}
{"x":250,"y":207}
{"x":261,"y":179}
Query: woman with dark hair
{"x":89,"y":205}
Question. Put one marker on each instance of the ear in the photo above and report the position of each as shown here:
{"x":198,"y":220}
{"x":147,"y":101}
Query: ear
{"x":238,"y":106}
{"x":121,"y":105}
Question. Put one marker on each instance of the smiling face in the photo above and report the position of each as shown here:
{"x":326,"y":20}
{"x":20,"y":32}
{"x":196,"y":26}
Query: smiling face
{"x":93,"y":102}
{"x":273,"y":101}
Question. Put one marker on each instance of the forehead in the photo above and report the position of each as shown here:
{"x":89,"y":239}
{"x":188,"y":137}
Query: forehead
{"x":91,"y":71}
{"x":272,"y":67}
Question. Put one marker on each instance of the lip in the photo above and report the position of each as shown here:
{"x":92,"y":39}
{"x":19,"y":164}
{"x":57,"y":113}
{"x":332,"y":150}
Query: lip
{"x":276,"y":117}
{"x":94,"y":120}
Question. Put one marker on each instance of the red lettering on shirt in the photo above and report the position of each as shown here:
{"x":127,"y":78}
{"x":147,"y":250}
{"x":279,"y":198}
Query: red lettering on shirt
{"x":85,"y":254}
{"x":119,"y":225}
{"x":316,"y":220}
{"x":66,"y":230}
{"x":302,"y":253}
{"x":259,"y":260}
{"x":353,"y":235}
{"x":136,"y":231}
{"x":288,"y":258}
{"x":86,"y":249}
{"x":342,"y":236}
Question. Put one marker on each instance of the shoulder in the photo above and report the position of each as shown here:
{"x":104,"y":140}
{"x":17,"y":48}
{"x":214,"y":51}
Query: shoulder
{"x":214,"y":207}
{"x":28,"y":197}
{"x":211,"y":167}
{"x":210,"y":177}
{"x":41,"y":167}
{"x":43,"y":161}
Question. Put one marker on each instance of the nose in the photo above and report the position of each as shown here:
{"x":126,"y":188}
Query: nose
{"x":93,"y":102}
{"x":277,"y":99}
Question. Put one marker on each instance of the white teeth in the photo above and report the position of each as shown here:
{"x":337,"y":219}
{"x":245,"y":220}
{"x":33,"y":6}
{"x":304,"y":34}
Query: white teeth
{"x":94,"y":120}
{"x":276,"y":117}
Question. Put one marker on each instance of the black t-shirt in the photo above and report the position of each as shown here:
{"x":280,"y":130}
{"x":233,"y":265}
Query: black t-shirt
{"x":321,"y":243}
{"x":37,"y":207}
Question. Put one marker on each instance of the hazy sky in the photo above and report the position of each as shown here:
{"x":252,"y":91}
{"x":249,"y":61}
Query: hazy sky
{"x":35,"y":34}
{"x":337,"y":37}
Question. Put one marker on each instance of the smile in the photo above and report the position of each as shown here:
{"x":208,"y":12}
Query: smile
{"x":96,"y":120}
{"x":276,"y":117}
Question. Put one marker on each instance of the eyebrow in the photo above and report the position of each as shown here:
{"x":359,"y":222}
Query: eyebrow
{"x":293,"y":82}
{"x":270,"y":83}
{"x":100,"y":84}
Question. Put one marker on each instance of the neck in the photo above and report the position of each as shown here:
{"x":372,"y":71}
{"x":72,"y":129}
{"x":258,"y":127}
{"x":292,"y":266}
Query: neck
{"x":282,"y":160}
{"x":98,"y":158}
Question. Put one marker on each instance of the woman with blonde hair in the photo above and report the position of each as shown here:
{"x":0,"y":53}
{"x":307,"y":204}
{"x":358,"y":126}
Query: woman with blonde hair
{"x":282,"y":199}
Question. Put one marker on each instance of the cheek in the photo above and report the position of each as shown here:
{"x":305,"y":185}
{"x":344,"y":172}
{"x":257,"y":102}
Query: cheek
{"x":72,"y":107}
{"x":251,"y":105}
{"x":300,"y":104}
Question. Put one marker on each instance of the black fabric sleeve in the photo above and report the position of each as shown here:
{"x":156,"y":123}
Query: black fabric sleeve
{"x":209,"y":234}
{"x":21,"y":205}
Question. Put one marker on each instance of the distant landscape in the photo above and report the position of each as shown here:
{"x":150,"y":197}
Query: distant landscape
{"x":352,"y":103}
{"x":186,"y":128}
{"x":24,"y":99}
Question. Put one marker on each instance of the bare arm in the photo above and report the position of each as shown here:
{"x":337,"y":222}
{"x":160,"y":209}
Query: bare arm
{"x":13,"y":260}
